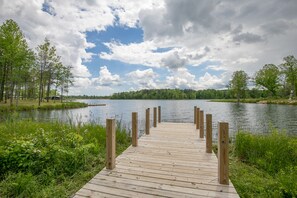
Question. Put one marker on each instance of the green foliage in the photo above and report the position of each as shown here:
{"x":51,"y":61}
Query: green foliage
{"x":45,"y":106}
{"x":19,"y":185}
{"x":289,"y":68}
{"x":274,"y":154}
{"x":168,"y":94}
{"x":51,"y":157}
{"x":22,"y":72}
{"x":268,"y":77}
{"x":15,"y":59}
{"x":66,"y":105}
{"x":252,"y":182}
{"x":238,"y":84}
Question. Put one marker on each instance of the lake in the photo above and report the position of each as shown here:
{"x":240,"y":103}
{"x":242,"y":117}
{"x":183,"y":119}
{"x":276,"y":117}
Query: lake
{"x":257,"y":118}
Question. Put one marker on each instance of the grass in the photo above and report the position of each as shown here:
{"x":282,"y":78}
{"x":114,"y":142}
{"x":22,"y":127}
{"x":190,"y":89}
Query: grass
{"x":264,"y":165}
{"x":28,"y":105}
{"x":259,"y":100}
{"x":51,"y":159}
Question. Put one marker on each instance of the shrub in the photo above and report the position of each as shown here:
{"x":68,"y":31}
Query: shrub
{"x":49,"y":155}
{"x":275,"y":154}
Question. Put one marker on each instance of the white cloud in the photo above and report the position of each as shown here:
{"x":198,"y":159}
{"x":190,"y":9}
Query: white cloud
{"x":63,"y":22}
{"x":143,"y":79}
{"x":235,"y":35}
{"x":106,"y":79}
{"x":128,"y":11}
{"x":239,"y":35}
{"x":183,"y":79}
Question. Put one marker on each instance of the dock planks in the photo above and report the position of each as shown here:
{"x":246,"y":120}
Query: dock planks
{"x":170,"y":162}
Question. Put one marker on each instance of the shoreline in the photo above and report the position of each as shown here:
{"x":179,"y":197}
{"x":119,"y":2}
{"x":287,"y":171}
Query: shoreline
{"x":258,"y":101}
{"x":44,"y":106}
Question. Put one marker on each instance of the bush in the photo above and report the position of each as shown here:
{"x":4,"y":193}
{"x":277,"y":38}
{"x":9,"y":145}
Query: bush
{"x":50,"y":155}
{"x":275,"y":154}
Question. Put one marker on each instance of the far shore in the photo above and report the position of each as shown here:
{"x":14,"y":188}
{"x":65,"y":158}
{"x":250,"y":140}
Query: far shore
{"x":258,"y":101}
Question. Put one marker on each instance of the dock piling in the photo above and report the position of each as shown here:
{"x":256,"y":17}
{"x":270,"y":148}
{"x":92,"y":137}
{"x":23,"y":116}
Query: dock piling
{"x":195,"y":107}
{"x":110,"y":144}
{"x":134,"y":129}
{"x":208,"y":133}
{"x":159,"y":114}
{"x":197,"y":117}
{"x":201,"y":128}
{"x":223,"y":153}
{"x":147,"y":121}
{"x":155,"y":116}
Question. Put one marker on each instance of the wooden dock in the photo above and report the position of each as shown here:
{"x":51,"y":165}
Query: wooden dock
{"x":169,"y":162}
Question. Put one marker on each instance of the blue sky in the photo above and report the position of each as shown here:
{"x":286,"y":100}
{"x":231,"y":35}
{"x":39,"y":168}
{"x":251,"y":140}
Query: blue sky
{"x":122,"y":45}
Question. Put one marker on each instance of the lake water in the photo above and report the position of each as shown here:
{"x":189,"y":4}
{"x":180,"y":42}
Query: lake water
{"x":257,"y":118}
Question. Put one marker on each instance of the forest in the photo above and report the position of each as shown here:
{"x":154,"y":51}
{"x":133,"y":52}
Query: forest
{"x":270,"y":81}
{"x":185,"y":94}
{"x":26,"y":74}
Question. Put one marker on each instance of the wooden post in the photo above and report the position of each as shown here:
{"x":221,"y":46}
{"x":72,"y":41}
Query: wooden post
{"x":208,"y":133}
{"x":134,"y":129}
{"x":197,"y":117}
{"x":223,"y":153}
{"x":155,"y":116}
{"x":110,"y":144}
{"x":147,"y":121}
{"x":201,"y":128}
{"x":195,"y":107}
{"x":159,"y":114}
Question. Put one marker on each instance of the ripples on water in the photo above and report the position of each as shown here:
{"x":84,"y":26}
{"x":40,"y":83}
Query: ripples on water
{"x":257,"y":118}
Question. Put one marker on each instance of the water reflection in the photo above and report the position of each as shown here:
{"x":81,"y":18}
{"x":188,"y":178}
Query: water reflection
{"x":257,"y":118}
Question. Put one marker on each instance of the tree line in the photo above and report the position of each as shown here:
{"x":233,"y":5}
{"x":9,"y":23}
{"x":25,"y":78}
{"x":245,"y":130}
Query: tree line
{"x":277,"y":81}
{"x":270,"y":81}
{"x":168,"y":94}
{"x":29,"y":74}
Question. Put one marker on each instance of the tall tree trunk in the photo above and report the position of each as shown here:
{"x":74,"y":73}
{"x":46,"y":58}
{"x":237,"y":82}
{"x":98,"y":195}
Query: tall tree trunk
{"x":62,"y":90}
{"x":11,"y":93}
{"x":48,"y":89}
{"x":2,"y":86}
{"x":18,"y":89}
{"x":40,"y":87}
{"x":25,"y":94}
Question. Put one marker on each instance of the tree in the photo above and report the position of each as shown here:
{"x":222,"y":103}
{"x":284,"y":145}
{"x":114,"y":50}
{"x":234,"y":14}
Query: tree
{"x":238,"y":84}
{"x":268,"y":77}
{"x":15,"y":60}
{"x":289,"y":68}
{"x":64,"y":78}
{"x":47,"y":60}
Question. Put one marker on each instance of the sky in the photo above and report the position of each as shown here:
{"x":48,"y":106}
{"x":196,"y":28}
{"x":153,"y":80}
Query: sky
{"x":125,"y":45}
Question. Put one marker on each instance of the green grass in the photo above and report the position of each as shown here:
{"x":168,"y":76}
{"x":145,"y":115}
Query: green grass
{"x":51,"y":159}
{"x":264,"y":165}
{"x":259,"y":100}
{"x":28,"y":105}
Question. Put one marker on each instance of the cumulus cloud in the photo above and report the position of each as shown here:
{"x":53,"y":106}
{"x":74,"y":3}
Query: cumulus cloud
{"x":106,"y":79}
{"x":174,"y":61}
{"x":128,"y":11}
{"x":237,"y":35}
{"x":63,"y":22}
{"x":183,"y":79}
{"x":143,"y":79}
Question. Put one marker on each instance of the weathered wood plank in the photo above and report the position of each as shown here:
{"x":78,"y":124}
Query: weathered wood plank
{"x":169,"y":162}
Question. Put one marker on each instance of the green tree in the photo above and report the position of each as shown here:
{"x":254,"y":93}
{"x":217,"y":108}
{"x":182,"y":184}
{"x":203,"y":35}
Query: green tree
{"x":16,"y":59}
{"x":238,"y":84}
{"x":47,"y":60}
{"x":268,"y":77}
{"x":289,"y":68}
{"x":64,"y":78}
